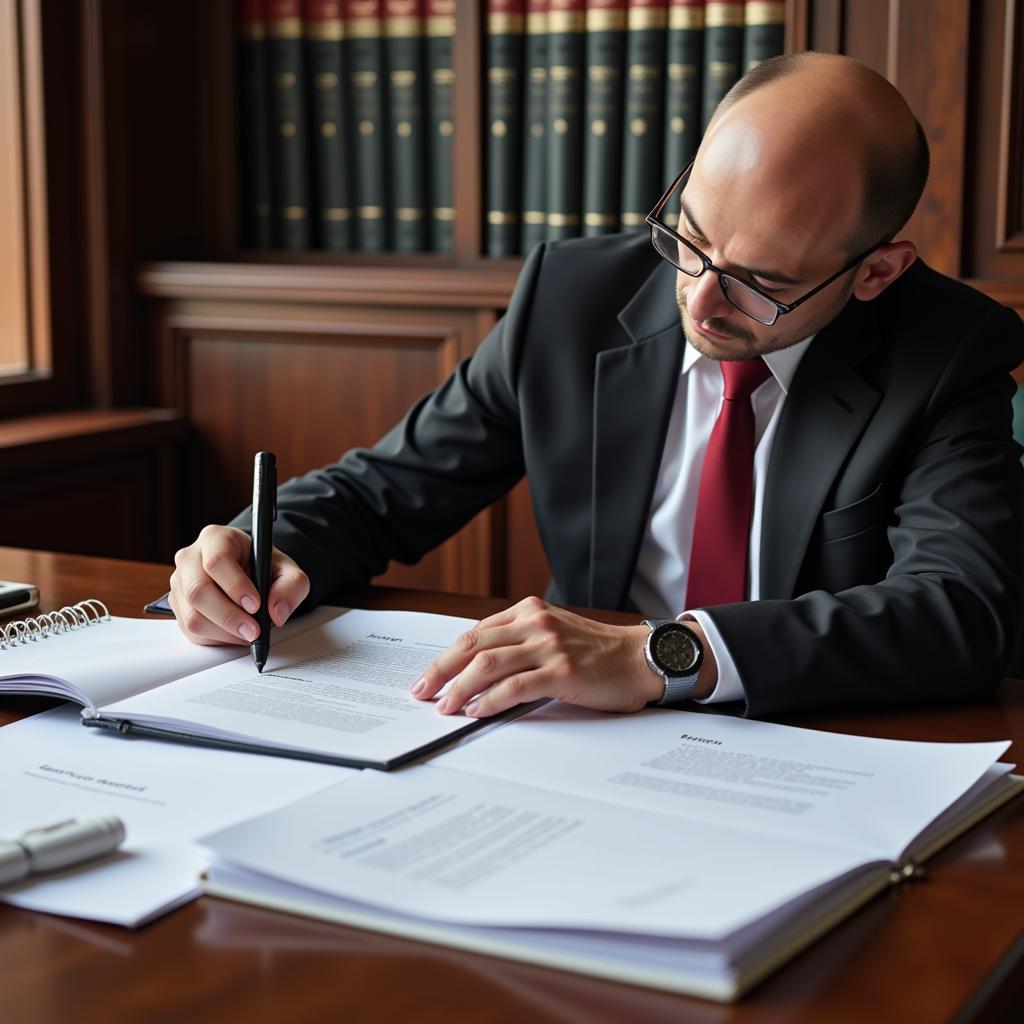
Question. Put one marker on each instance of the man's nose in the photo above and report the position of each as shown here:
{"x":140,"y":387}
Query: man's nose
{"x":704,"y":298}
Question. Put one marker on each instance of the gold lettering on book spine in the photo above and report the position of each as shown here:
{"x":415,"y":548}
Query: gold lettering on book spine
{"x":605,"y":20}
{"x":364,"y":28}
{"x":723,"y":15}
{"x":765,"y":14}
{"x":403,"y":28}
{"x":505,"y":24}
{"x":686,"y":17}
{"x":644,"y":72}
{"x":330,"y":31}
{"x":440,"y":25}
{"x":285,"y":28}
{"x":566,"y":21}
{"x":644,"y":18}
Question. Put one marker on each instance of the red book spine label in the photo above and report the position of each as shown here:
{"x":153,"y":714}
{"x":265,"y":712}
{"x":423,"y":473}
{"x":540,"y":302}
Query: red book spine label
{"x":284,"y":19}
{"x":323,"y":10}
{"x":281,"y":10}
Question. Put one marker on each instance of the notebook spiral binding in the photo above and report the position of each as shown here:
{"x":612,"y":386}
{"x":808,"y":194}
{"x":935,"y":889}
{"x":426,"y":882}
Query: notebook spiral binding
{"x":71,"y":616}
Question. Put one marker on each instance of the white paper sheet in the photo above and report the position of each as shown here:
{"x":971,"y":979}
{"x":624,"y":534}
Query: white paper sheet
{"x":340,"y":689}
{"x":455,"y":847}
{"x":111,"y":660}
{"x":868,"y":794}
{"x":167,"y":794}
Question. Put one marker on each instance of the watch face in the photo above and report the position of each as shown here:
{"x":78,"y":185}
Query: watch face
{"x":676,"y":650}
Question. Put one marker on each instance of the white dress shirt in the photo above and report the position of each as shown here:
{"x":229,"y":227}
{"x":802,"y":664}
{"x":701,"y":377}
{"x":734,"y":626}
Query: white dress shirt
{"x":659,"y":585}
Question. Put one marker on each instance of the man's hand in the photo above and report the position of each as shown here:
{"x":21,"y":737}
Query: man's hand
{"x":213,"y":597}
{"x":536,"y":650}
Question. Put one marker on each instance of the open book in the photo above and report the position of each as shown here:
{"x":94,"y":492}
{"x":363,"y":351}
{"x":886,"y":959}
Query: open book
{"x":680,"y":850}
{"x":335,"y":689}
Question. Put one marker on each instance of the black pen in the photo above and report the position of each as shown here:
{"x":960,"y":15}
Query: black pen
{"x":264,"y":512}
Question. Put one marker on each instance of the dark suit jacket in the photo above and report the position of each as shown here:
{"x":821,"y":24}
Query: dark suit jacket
{"x":892,"y":522}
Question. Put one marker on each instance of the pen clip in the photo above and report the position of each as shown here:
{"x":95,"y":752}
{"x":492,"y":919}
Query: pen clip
{"x":48,"y":828}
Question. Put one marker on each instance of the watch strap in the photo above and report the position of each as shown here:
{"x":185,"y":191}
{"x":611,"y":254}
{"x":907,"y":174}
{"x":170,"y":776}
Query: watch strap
{"x":677,"y":688}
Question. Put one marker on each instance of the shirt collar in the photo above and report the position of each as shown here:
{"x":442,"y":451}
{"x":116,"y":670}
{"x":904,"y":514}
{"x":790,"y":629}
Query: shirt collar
{"x":782,"y":363}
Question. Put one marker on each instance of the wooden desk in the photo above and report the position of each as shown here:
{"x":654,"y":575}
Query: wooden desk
{"x":950,"y":947}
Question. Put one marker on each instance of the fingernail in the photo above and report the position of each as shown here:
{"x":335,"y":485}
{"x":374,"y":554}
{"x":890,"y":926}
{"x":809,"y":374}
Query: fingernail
{"x":442,"y":705}
{"x":472,"y":707}
{"x":419,"y":687}
{"x":247,"y":631}
{"x":281,"y":612}
{"x":250,"y":604}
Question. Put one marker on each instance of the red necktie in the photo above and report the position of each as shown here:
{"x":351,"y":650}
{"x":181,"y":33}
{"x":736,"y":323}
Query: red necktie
{"x":721,"y":531}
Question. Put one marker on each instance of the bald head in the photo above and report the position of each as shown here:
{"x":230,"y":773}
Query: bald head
{"x":825,"y":145}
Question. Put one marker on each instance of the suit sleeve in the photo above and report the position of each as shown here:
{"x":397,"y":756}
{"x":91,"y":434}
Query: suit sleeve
{"x":941,"y":624}
{"x":456,"y":451}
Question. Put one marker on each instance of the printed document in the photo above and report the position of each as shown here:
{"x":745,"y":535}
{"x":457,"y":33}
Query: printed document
{"x":167,"y":795}
{"x":688,"y":851}
{"x":339,"y":692}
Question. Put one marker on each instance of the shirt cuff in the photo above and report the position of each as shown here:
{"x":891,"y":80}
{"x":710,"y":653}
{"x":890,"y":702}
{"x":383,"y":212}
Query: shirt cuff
{"x":728,"y":686}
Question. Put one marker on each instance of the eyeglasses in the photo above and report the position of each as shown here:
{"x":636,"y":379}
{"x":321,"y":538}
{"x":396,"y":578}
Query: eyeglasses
{"x":742,"y":295}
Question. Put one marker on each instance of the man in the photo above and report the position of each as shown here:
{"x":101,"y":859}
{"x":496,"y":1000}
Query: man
{"x":843,"y":527}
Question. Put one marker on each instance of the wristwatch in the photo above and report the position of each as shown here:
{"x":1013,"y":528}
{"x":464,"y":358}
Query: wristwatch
{"x":675,"y":652}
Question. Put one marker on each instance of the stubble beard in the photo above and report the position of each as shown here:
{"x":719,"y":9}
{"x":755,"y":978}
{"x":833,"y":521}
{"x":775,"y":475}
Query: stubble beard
{"x":743,"y":344}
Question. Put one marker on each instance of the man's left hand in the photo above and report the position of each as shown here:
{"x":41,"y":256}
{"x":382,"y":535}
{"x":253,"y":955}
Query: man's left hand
{"x":535,"y":650}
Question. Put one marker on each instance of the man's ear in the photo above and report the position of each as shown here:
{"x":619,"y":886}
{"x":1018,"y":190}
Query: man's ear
{"x":882,"y":267}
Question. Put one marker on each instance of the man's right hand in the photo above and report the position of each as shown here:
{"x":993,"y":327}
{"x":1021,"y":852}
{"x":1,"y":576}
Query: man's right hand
{"x":213,"y":597}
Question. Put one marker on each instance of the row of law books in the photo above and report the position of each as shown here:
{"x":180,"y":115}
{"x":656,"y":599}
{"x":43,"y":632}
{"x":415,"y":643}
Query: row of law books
{"x":345,"y":112}
{"x":594,"y":106}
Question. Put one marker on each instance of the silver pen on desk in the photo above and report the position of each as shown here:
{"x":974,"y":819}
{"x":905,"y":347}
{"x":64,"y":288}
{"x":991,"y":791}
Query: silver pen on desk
{"x":59,"y":846}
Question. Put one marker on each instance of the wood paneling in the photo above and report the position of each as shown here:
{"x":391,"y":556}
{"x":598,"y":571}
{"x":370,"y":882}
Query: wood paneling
{"x":96,"y":482}
{"x":995,"y":240}
{"x":479,"y":288}
{"x":310,"y":382}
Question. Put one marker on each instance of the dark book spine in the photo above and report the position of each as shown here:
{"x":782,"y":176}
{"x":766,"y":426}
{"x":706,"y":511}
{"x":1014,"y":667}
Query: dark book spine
{"x":602,"y":115}
{"x":403,"y":35}
{"x":503,"y":105}
{"x":441,"y":97}
{"x":764,"y":30}
{"x":535,"y":116}
{"x":286,"y":68}
{"x":325,"y":33}
{"x":566,"y":24}
{"x":643,"y":109}
{"x":365,"y":50}
{"x":256,"y":219}
{"x":684,"y":63}
{"x":723,"y":52}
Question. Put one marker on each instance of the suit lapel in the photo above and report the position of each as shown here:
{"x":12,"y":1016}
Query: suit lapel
{"x":633,"y":391}
{"x":828,"y":406}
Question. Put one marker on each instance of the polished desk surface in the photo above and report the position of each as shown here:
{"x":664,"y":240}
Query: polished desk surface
{"x":948,"y":947}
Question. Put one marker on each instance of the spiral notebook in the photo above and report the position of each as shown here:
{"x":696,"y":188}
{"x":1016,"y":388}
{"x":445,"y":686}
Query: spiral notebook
{"x":336,"y":688}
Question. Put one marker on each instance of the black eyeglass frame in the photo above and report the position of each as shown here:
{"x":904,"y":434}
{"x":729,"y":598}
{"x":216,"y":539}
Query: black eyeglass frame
{"x":781,"y":308}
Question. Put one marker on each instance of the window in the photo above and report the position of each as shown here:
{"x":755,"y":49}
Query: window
{"x":25,"y":351}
